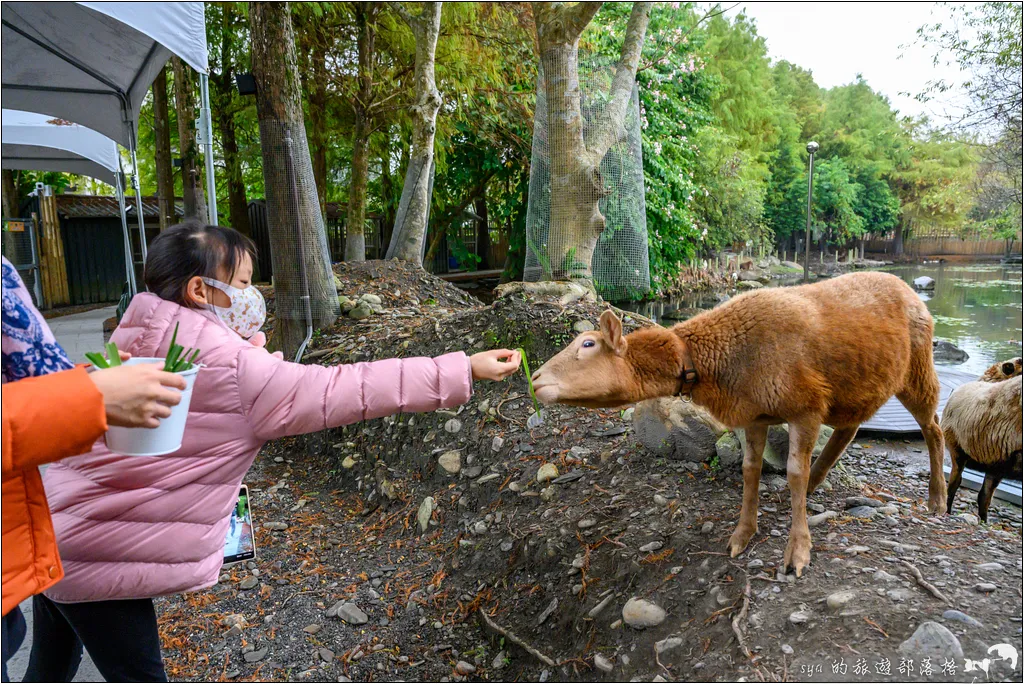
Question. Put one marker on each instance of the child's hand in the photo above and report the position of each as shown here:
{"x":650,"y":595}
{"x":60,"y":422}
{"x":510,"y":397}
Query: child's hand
{"x":489,"y":366}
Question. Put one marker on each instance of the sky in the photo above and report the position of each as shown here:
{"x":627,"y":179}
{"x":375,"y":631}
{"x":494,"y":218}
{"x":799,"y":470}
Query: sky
{"x":838,"y":40}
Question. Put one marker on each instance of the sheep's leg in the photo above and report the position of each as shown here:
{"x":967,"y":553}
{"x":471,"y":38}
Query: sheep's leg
{"x":801,"y":444}
{"x":956,"y":472}
{"x":837,"y":443}
{"x":754,"y":439}
{"x":992,"y":480}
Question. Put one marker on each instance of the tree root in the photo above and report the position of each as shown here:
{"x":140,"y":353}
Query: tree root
{"x":491,"y":624}
{"x":737,"y":622}
{"x":925,"y":583}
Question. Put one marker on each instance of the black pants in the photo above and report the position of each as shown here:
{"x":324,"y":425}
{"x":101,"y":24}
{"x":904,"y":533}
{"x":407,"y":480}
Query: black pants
{"x":13,"y":635}
{"x":121,"y":637}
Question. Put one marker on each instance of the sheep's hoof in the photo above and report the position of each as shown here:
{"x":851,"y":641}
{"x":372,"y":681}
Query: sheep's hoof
{"x":798,"y":555}
{"x":740,"y":538}
{"x":937,"y":505}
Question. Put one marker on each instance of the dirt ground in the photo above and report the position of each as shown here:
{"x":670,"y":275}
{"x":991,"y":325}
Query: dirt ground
{"x":515,"y":580}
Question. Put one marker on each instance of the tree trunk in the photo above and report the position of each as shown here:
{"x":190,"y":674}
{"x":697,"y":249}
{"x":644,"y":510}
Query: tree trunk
{"x":318,"y":115}
{"x":162,"y":142}
{"x":387,"y":187}
{"x":483,"y":234}
{"x":577,"y":185}
{"x":224,"y":118}
{"x":188,"y":150}
{"x":414,"y":208}
{"x":355,"y":220}
{"x":897,"y":239}
{"x":10,"y":195}
{"x":298,"y":242}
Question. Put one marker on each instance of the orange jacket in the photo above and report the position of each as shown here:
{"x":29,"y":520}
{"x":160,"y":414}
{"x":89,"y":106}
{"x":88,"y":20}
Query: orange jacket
{"x":45,"y":419}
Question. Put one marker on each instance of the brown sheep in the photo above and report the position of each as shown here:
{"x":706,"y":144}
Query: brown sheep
{"x":982,"y":428}
{"x":829,"y":353}
{"x":1004,"y":370}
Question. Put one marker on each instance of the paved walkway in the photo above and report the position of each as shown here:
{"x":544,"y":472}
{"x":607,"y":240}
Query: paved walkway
{"x":80,"y":333}
{"x":77,"y":334}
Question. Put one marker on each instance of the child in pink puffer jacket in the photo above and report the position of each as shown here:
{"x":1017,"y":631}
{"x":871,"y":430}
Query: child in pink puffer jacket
{"x":132,"y":528}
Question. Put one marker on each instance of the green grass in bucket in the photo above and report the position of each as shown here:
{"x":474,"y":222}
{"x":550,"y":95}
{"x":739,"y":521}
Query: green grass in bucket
{"x":178,"y":358}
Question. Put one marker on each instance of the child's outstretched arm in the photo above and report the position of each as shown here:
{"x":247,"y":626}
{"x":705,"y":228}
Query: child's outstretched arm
{"x":281,"y":398}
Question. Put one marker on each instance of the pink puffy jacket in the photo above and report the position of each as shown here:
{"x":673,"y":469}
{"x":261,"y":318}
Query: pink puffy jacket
{"x":135,"y":527}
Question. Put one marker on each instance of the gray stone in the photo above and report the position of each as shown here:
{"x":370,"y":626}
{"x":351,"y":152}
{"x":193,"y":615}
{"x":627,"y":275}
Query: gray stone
{"x":326,"y":655}
{"x":755,"y":564}
{"x":453,"y":425}
{"x":464,"y":668}
{"x":548,"y":471}
{"x":924,"y":283}
{"x":596,"y":610}
{"x":424,"y":513}
{"x":748,"y":285}
{"x":799,"y":617}
{"x":957,"y":616}
{"x":666,"y":645}
{"x":497,"y":443}
{"x":866,"y":512}
{"x":858,"y":501}
{"x":787,"y":649}
{"x":276,"y":526}
{"x":583,"y":326}
{"x":676,"y":429}
{"x":883,"y":576}
{"x":360,"y":311}
{"x":256,"y":655}
{"x":371,"y":299}
{"x":602,"y":663}
{"x":776,"y":449}
{"x":947,"y":352}
{"x":651,"y":547}
{"x":932,"y":640}
{"x":968,"y":518}
{"x":349,"y":612}
{"x":499,"y":661}
{"x":729,"y":450}
{"x":985,"y":587}
{"x":816,"y":520}
{"x":989,"y":567}
{"x":311,"y":629}
{"x":451,"y":461}
{"x":840,"y":598}
{"x":707,"y":528}
{"x":249,"y":583}
{"x":639,"y":614}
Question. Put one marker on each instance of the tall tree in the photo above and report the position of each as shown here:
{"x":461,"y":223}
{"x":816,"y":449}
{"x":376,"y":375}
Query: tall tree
{"x":414,"y":208}
{"x":225,"y":106}
{"x":576,"y":221}
{"x":162,"y":149}
{"x":355,"y":221}
{"x":297,"y":239}
{"x":188,"y":150}
{"x":10,"y":194}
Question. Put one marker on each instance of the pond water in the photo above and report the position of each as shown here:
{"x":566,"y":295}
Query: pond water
{"x":977,"y":307}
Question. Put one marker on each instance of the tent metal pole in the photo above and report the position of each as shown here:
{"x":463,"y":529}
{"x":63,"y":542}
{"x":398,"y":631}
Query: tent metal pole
{"x":138,"y":200}
{"x":206,"y":139}
{"x":129,"y":263}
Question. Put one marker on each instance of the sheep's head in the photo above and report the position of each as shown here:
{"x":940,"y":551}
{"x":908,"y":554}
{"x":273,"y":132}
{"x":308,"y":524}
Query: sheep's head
{"x":1003,"y":371}
{"x":603,"y":368}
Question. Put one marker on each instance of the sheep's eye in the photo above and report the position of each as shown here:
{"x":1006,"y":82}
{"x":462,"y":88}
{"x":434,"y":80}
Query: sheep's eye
{"x":587,"y":344}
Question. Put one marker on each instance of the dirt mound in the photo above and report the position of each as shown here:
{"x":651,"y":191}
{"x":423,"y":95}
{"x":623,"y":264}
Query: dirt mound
{"x":409,"y":527}
{"x":397,"y":283}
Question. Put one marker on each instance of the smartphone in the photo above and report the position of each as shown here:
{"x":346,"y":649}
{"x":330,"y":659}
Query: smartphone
{"x":240,"y":543}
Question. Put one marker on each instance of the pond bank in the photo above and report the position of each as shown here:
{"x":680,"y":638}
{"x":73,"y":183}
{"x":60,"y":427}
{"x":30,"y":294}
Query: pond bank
{"x":389,"y":536}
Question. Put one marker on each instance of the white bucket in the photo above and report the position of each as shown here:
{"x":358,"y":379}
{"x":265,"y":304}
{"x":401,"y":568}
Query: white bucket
{"x":166,"y":437}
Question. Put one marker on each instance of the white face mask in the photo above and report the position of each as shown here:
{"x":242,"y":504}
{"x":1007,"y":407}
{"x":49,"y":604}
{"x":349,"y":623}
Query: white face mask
{"x":248,"y":311}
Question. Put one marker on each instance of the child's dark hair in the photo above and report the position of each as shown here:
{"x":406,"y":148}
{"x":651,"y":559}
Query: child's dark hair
{"x":193,"y":249}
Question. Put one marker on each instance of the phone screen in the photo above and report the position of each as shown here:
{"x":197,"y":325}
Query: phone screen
{"x":240,"y":544}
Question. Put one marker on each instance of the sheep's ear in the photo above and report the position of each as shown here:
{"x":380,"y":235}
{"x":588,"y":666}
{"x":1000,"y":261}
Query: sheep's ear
{"x":1008,"y":368}
{"x":611,"y":329}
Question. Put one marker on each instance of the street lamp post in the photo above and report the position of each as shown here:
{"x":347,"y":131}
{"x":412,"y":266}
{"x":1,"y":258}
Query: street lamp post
{"x":812,"y":147}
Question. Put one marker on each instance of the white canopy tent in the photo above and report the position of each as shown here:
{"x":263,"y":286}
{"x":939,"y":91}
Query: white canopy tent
{"x":92,"y":63}
{"x":43,"y":143}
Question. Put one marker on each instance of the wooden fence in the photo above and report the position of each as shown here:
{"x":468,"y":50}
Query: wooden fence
{"x":938,"y":246}
{"x":53,"y":272}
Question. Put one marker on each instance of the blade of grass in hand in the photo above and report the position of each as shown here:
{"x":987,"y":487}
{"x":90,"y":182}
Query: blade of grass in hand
{"x":97,"y":360}
{"x":529,"y":381}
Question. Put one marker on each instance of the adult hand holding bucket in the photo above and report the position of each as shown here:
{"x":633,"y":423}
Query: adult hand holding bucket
{"x":138,"y":395}
{"x":137,"y":428}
